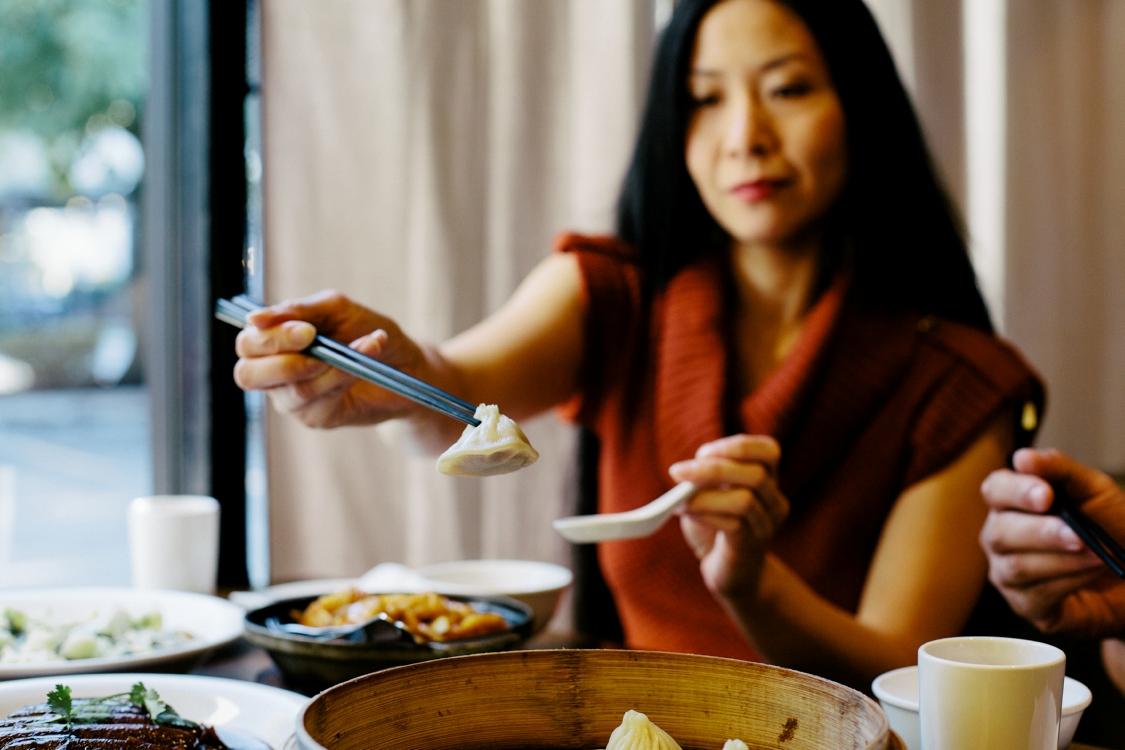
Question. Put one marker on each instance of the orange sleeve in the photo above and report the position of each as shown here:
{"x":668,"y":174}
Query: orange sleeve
{"x":986,"y":377}
{"x":612,"y":301}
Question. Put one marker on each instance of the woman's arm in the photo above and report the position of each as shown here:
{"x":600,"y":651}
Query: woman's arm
{"x":923,"y":581}
{"x":525,"y":357}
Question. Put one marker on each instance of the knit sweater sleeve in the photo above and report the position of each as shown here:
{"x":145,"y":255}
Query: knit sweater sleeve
{"x":985,"y":378}
{"x":612,"y":302}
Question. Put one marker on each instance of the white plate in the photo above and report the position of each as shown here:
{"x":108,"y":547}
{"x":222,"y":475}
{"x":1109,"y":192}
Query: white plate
{"x":212,"y":622}
{"x":267,"y":713}
{"x":249,"y":600}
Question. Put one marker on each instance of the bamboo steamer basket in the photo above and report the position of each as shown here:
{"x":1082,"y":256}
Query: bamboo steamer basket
{"x":575,"y":699}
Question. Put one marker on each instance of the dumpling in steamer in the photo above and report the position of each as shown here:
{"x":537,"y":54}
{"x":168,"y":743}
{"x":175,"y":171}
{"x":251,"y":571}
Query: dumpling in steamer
{"x":735,"y":745}
{"x":638,"y":733}
{"x":496,"y":446}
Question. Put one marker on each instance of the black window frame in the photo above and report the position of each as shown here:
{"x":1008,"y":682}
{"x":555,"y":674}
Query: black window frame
{"x":195,"y":226}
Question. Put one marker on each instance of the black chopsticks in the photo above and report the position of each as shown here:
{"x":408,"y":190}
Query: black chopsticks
{"x":1091,"y":534}
{"x":235,"y":310}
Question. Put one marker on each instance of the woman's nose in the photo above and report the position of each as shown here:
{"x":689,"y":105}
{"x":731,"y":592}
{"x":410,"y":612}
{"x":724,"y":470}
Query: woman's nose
{"x":751,"y":131}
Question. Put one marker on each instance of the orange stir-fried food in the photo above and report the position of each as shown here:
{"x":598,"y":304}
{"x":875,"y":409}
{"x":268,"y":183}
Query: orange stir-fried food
{"x":429,"y":616}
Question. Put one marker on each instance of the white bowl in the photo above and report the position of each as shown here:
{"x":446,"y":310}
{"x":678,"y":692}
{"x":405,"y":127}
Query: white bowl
{"x":537,"y":584}
{"x":897,"y":692}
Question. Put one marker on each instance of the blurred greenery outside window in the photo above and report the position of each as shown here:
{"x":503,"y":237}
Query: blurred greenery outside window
{"x":74,"y":444}
{"x":71,"y":162}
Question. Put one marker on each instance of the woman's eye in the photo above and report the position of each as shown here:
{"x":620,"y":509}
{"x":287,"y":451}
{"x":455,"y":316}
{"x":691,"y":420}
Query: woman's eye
{"x":708,"y":100}
{"x":792,"y":90}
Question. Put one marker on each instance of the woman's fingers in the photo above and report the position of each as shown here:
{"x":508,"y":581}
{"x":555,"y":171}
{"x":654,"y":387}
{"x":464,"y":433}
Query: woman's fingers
{"x":734,"y":507}
{"x":719,"y":522}
{"x":722,"y":473}
{"x":303,"y":385}
{"x":751,"y":448}
{"x":728,"y":524}
{"x":714,"y":471}
{"x":730,"y":553}
{"x":322,"y":410}
{"x":263,"y":373}
{"x":271,"y":359}
{"x":699,"y":535}
{"x":373,"y":344}
{"x":264,"y":365}
{"x":295,"y":396}
{"x":734,"y":501}
{"x":291,"y":336}
{"x":321,"y":309}
{"x":331,"y":313}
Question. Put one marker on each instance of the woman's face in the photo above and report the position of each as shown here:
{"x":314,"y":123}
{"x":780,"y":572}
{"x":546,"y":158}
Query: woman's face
{"x":766,"y":142}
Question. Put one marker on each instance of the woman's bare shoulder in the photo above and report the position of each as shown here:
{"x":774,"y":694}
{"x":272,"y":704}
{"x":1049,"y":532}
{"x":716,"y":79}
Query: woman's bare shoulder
{"x":605,"y":245}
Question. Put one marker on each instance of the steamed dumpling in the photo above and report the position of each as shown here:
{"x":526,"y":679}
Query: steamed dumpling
{"x":735,"y":745}
{"x":496,"y":446}
{"x":638,"y":733}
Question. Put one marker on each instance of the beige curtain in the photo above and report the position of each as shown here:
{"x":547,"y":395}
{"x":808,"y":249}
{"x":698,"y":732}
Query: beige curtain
{"x":1065,"y":224}
{"x":1037,"y":88}
{"x":419,"y":156}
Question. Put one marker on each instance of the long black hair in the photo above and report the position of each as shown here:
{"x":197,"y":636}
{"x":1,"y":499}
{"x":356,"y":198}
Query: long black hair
{"x":902,"y":236}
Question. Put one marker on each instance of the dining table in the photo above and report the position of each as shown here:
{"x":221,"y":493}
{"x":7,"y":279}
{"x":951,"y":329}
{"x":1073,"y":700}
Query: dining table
{"x":245,"y":661}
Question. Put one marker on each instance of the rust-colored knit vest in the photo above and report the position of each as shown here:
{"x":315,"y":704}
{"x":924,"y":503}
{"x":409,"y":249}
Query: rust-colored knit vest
{"x":864,"y":406}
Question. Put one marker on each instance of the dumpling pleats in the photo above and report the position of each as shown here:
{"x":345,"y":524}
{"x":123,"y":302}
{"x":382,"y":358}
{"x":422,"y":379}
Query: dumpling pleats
{"x":638,"y":733}
{"x":496,"y":446}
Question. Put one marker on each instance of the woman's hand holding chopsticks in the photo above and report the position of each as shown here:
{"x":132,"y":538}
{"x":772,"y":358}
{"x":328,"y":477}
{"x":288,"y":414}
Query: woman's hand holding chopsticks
{"x":1037,"y":562}
{"x":525,"y":358}
{"x":318,"y":394}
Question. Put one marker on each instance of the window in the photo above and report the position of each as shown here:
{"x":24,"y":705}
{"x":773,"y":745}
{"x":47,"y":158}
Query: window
{"x":114,"y":378}
{"x":74,"y":413}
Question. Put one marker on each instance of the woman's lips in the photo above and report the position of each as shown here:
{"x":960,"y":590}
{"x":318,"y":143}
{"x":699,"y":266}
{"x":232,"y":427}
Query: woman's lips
{"x":757,"y":190}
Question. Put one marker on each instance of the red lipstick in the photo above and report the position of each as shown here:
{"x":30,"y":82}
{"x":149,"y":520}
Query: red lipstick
{"x":757,"y":190}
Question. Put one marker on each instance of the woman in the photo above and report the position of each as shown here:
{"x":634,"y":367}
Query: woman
{"x":787,"y":318}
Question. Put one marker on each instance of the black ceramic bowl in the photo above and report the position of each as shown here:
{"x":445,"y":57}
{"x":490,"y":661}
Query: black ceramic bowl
{"x":313,"y":665}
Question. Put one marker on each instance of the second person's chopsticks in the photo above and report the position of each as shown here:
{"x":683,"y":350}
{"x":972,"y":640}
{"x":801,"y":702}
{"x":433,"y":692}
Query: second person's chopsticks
{"x":235,"y":311}
{"x":1088,"y":530}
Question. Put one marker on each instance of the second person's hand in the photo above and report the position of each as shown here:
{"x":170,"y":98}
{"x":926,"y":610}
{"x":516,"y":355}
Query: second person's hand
{"x":1037,"y":562}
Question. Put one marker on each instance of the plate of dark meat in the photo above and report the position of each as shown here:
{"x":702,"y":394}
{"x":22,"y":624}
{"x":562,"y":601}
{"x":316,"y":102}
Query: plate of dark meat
{"x":145,"y":710}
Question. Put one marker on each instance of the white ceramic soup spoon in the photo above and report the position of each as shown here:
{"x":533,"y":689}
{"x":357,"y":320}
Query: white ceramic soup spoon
{"x":642,"y":521}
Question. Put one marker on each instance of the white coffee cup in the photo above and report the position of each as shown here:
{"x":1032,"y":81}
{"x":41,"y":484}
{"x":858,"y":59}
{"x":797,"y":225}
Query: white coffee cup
{"x":174,"y":542}
{"x":994,"y":693}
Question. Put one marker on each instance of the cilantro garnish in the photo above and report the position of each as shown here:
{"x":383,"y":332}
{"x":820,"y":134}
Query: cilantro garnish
{"x":158,"y":710}
{"x":58,"y":700}
{"x":148,"y":699}
{"x":99,"y":709}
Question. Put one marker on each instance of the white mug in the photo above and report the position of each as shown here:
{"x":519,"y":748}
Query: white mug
{"x":990,"y":693}
{"x":174,"y":542}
